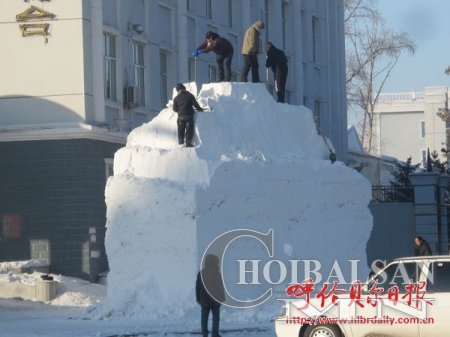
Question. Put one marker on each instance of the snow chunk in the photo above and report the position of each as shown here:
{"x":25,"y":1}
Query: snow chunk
{"x":257,"y":165}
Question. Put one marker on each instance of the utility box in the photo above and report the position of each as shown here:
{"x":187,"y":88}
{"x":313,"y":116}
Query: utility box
{"x":45,"y":290}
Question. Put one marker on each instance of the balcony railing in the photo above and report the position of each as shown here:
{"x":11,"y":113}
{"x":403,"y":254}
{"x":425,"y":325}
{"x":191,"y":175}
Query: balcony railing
{"x":401,"y":96}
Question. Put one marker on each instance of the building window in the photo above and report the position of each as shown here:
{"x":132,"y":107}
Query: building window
{"x":230,"y":13}
{"x":422,"y":129}
{"x":305,"y":34}
{"x":163,"y":79}
{"x":188,"y":5}
{"x":209,"y":9}
{"x":165,"y":20}
{"x":212,"y":74}
{"x":284,"y":8}
{"x":109,"y":62}
{"x":315,"y":38}
{"x":12,"y":226}
{"x":139,"y":70}
{"x":191,"y":34}
{"x":424,"y":158}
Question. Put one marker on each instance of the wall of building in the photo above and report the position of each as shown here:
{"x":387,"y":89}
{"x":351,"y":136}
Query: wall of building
{"x":56,"y":189}
{"x":435,"y":137}
{"x":67,"y":66}
{"x":421,"y":127}
{"x":36,"y":72}
{"x":405,"y":143}
{"x":311,"y":33}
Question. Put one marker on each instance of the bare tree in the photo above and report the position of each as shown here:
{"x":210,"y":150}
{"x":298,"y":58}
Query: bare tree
{"x":372,"y":51}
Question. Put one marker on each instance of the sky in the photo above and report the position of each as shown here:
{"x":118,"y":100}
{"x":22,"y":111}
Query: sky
{"x":427,"y":22}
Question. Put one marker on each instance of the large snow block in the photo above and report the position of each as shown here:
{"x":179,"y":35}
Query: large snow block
{"x":257,"y":165}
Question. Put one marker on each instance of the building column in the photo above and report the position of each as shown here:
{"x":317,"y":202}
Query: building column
{"x":97,"y":60}
{"x":183,"y":43}
{"x":298,"y":71}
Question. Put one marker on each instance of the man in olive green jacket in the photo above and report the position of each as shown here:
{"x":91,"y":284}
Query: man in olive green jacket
{"x":250,"y":48}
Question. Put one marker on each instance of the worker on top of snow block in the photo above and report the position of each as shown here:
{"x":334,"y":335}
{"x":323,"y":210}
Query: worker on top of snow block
{"x":250,"y":49}
{"x":184,"y":104}
{"x":224,"y":50}
{"x":276,"y":60}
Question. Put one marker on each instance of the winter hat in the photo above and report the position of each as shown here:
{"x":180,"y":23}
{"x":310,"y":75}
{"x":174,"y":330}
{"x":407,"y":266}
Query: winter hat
{"x":180,"y":87}
{"x":211,"y":35}
{"x":259,"y":24}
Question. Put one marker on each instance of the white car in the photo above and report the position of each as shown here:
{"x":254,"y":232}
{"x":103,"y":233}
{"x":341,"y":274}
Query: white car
{"x":421,"y":312}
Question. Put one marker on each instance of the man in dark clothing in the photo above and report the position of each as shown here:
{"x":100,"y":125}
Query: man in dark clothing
{"x":224,"y":50}
{"x":277,"y":61}
{"x":422,"y":246}
{"x":184,"y":104}
{"x":209,"y":293}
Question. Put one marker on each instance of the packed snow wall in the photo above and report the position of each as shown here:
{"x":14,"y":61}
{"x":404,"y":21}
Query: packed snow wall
{"x":257,"y":165}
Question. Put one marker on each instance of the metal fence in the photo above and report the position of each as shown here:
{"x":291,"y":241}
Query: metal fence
{"x":391,"y":194}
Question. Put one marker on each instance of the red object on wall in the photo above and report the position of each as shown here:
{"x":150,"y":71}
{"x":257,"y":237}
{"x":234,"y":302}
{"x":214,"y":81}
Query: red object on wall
{"x":12,"y":226}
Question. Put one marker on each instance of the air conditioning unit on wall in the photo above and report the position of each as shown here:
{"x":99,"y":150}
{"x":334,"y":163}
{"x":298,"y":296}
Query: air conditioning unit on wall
{"x":131,"y":97}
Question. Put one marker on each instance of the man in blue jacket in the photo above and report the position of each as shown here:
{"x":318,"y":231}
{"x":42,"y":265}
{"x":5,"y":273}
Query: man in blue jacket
{"x":224,"y":50}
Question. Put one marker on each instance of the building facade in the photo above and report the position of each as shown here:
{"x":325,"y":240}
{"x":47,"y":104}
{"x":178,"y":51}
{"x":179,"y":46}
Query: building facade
{"x":77,"y":75}
{"x":408,"y":124}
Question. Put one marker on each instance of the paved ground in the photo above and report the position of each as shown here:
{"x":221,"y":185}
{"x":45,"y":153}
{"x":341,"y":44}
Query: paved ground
{"x":29,"y":319}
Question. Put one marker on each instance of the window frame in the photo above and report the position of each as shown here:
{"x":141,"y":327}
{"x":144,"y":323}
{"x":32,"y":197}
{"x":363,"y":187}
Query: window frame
{"x":422,"y":129}
{"x":110,"y":66}
{"x":138,"y":49}
{"x":164,"y":77}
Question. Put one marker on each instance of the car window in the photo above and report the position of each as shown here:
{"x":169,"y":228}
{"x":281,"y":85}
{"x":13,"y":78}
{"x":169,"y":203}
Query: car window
{"x":440,"y":280}
{"x":397,"y":274}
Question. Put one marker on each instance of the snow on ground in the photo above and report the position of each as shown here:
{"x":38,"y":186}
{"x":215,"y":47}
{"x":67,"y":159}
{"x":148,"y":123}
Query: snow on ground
{"x":70,"y":291}
{"x":67,"y":316}
{"x":257,"y":165}
{"x":33,"y":319}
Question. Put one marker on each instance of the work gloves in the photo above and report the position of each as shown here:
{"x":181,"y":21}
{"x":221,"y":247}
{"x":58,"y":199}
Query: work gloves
{"x":196,"y":52}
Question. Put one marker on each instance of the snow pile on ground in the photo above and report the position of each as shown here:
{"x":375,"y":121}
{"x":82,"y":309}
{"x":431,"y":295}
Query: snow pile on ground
{"x":20,"y":265}
{"x":70,"y":292}
{"x":257,"y":165}
{"x":74,"y":292}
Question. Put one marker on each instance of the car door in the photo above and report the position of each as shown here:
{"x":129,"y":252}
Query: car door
{"x":395,"y":274}
{"x":437,"y":323}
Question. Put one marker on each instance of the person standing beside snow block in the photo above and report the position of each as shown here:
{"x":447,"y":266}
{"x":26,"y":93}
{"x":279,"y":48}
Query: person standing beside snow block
{"x":184,"y":104}
{"x":250,"y":49}
{"x":209,"y":293}
{"x":276,"y":60}
{"x":422,"y":246}
{"x":224,"y":50}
